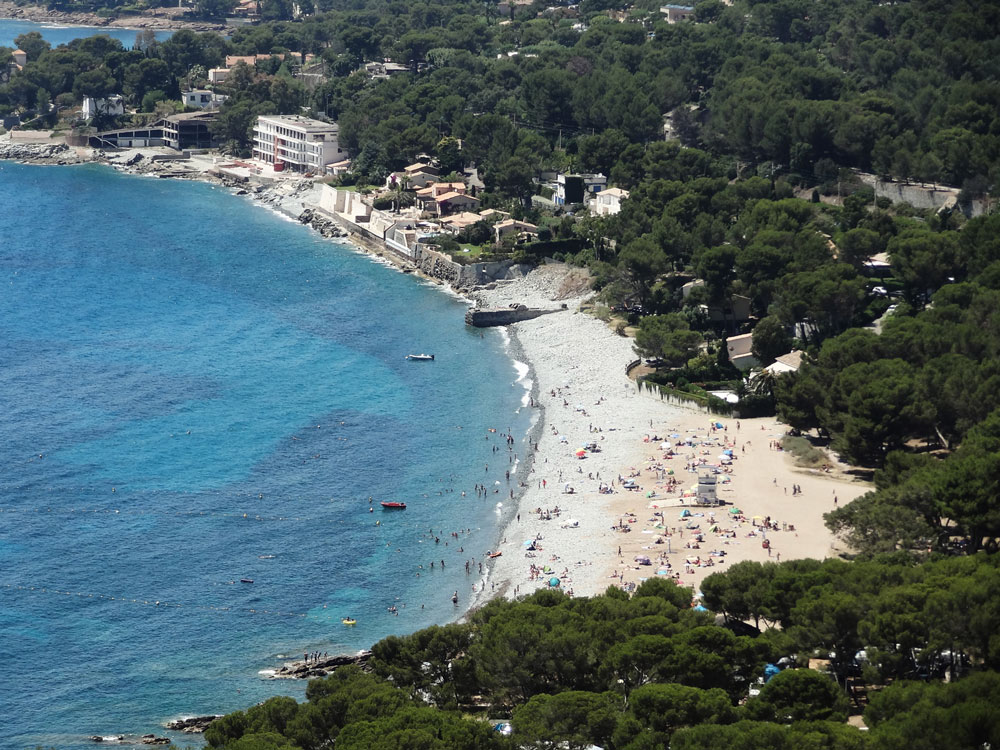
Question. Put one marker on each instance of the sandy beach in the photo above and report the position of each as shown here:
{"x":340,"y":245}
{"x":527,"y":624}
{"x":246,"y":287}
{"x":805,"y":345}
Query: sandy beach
{"x":576,"y":509}
{"x":586,"y":399}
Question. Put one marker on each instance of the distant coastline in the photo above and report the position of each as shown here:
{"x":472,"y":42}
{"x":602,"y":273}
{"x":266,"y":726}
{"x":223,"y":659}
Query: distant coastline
{"x":160,"y":19}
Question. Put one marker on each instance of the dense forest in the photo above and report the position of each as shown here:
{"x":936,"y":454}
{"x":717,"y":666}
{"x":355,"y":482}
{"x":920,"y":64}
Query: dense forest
{"x":649,"y":671}
{"x":740,"y":136}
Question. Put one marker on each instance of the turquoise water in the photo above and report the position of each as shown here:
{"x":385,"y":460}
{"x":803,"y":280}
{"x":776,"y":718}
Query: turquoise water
{"x":10,"y":29}
{"x":193,"y":391}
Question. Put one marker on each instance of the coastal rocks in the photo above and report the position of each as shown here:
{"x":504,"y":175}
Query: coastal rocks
{"x":122,"y":739}
{"x":326,"y":227}
{"x":192,"y":724}
{"x":37,"y":153}
{"x":300,"y":670}
{"x":159,"y":18}
{"x":439,"y":268}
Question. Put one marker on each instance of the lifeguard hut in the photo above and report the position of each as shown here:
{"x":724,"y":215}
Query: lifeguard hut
{"x":706,"y":490}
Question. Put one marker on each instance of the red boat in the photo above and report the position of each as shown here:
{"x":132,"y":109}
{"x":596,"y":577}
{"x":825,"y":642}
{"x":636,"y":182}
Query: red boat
{"x":392,"y":505}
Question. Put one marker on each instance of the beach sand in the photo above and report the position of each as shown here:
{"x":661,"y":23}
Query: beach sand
{"x":585,"y":397}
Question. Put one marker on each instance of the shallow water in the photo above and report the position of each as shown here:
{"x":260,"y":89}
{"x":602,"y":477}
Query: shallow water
{"x":194,"y":391}
{"x":55,"y":35}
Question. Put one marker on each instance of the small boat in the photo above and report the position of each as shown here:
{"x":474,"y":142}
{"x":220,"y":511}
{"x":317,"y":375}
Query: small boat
{"x":391,"y":505}
{"x":349,"y":621}
{"x":246,"y":580}
{"x":420,"y":357}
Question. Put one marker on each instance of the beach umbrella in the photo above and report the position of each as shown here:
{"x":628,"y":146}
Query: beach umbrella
{"x":728,"y":451}
{"x":581,"y":454}
{"x":734,"y":511}
{"x":685,"y":513}
{"x":718,"y":425}
{"x":553,"y":581}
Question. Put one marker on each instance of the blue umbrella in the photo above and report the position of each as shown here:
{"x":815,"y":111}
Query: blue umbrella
{"x":553,"y":581}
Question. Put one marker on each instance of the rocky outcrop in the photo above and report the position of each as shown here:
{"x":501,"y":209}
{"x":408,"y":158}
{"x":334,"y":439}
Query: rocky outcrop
{"x":300,"y":670}
{"x":438,"y":268}
{"x":158,"y":18}
{"x":192,"y":724}
{"x":325,"y":226}
{"x":123,"y":739}
{"x":39,"y":153}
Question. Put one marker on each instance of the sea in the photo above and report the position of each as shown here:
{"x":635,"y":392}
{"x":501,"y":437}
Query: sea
{"x":196,"y":393}
{"x":55,"y":34}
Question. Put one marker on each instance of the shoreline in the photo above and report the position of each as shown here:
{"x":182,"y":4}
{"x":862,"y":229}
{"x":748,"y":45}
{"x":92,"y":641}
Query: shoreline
{"x":157,"y":20}
{"x":584,"y":397}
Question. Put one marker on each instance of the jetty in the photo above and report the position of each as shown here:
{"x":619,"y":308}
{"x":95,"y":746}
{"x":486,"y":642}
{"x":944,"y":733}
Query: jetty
{"x":487,"y":317}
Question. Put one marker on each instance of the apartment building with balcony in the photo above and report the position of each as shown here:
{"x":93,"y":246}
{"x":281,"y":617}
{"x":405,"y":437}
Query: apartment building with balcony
{"x":296,"y":143}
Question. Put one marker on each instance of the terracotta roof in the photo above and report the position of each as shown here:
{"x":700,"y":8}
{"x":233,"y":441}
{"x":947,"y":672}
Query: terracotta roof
{"x":517,"y":225}
{"x":453,"y":195}
{"x":792,"y":359}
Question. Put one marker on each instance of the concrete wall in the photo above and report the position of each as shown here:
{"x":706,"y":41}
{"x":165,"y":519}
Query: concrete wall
{"x":441,"y":266}
{"x":923,"y":196}
{"x":347,"y":203}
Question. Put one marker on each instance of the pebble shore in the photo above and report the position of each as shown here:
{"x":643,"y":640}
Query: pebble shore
{"x":584,"y":396}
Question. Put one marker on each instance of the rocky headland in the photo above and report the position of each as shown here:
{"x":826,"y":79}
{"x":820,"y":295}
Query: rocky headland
{"x":157,"y":19}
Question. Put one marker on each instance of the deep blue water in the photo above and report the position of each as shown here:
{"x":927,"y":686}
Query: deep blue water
{"x":56,"y":35}
{"x":194,"y":390}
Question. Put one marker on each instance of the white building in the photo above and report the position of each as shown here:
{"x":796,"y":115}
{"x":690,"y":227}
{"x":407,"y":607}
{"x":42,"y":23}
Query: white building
{"x":202,"y":99}
{"x":786,"y":363}
{"x":740,"y":351}
{"x":296,"y":143}
{"x":608,"y":202}
{"x":112,"y":106}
